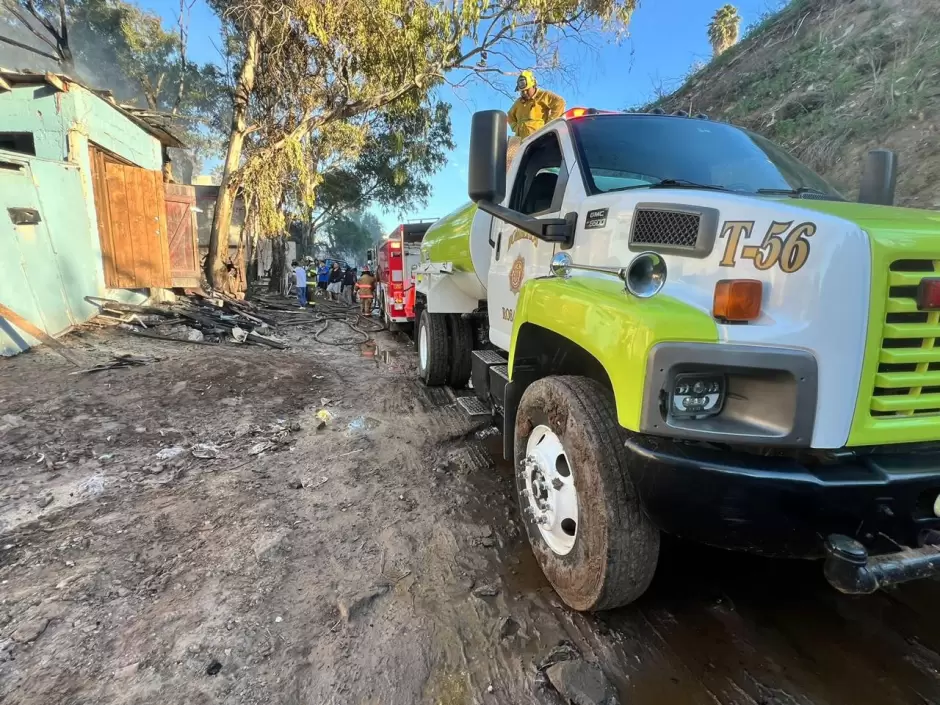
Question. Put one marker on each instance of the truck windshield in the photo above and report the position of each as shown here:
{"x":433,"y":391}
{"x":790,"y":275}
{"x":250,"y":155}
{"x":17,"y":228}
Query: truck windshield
{"x":623,"y":152}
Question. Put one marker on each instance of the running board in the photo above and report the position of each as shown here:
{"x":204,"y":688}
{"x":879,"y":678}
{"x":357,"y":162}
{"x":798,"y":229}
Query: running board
{"x":499,"y":378}
{"x":482,"y":362}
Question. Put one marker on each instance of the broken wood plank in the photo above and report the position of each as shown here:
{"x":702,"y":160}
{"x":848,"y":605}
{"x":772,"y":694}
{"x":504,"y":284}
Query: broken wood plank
{"x":262,"y":340}
{"x":209,"y":322}
{"x":39,"y":334}
{"x":56,"y":82}
{"x":120,"y":306}
{"x":157,"y":336}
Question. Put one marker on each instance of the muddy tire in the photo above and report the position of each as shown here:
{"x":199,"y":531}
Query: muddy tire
{"x":461,"y":349}
{"x":433,"y":349}
{"x":597,"y":547}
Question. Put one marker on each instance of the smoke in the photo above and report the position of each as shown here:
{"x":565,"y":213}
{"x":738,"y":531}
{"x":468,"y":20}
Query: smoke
{"x":95,"y":64}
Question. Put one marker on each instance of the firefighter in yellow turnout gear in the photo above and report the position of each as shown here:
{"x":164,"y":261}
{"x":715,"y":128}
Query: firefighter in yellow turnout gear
{"x":534,"y":108}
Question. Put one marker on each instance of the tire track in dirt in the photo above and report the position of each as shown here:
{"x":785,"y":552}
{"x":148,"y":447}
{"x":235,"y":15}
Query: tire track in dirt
{"x":245,"y":559}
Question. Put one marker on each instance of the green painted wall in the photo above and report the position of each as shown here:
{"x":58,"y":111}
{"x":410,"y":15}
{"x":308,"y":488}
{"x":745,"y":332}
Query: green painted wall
{"x":51,"y":115}
{"x":37,"y":109}
{"x":99,"y":122}
{"x":47,"y":269}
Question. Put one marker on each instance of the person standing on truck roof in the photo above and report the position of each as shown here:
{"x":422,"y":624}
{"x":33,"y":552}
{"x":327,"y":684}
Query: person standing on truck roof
{"x":300,"y":277}
{"x":365,"y":286}
{"x":534,"y":108}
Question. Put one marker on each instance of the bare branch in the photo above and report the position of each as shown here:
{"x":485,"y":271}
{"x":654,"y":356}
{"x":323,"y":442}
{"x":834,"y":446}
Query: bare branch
{"x":51,"y":28}
{"x":64,"y":30}
{"x":183,"y":23}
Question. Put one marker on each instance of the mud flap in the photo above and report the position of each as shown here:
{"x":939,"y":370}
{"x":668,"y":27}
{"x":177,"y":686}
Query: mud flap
{"x":512,"y":393}
{"x":523,"y":375}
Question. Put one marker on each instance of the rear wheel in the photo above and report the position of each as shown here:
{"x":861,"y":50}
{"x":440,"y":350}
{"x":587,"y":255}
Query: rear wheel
{"x":433,"y":349}
{"x":579,"y":506}
{"x":461,"y":349}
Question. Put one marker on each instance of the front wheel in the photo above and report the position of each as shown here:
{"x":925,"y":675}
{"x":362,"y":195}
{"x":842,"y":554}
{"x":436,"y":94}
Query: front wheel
{"x":433,"y":349}
{"x":580,"y":508}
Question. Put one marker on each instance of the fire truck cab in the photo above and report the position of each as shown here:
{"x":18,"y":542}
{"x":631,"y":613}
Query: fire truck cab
{"x":396,"y":259}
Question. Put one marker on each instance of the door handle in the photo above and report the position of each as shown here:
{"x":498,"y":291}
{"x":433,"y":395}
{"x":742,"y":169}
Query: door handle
{"x":499,"y":244}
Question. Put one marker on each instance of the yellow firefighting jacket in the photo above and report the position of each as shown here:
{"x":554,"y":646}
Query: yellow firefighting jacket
{"x":527,"y":116}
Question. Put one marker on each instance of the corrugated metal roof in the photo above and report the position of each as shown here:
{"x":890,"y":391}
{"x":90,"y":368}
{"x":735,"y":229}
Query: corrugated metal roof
{"x":155,"y":123}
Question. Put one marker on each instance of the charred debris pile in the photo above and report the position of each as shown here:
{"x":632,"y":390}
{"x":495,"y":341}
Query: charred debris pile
{"x":198,"y":319}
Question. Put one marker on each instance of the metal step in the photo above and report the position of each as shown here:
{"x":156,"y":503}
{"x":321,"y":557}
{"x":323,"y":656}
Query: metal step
{"x":473,"y":406}
{"x":501,"y":371}
{"x":498,"y":379}
{"x":489,"y":357}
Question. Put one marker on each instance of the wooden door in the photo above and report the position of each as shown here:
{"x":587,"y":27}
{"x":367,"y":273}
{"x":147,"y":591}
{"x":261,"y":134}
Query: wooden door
{"x":130,"y":203}
{"x":182,"y":230}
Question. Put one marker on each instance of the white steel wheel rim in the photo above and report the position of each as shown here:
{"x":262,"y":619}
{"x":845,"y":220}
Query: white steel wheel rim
{"x":423,"y":346}
{"x":550,"y":499}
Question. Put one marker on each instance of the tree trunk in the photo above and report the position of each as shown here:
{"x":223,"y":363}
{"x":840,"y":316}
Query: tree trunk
{"x":278,"y":264}
{"x":241,"y":285}
{"x":251,"y":270}
{"x":250,"y":233}
{"x":221,"y":223}
{"x":240,"y":274}
{"x":309,"y":242}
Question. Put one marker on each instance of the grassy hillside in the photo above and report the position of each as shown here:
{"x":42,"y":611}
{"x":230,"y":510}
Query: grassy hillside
{"x":831,"y":79}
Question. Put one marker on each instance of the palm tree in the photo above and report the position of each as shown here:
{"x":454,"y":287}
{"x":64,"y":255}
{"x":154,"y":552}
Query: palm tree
{"x":724,"y":28}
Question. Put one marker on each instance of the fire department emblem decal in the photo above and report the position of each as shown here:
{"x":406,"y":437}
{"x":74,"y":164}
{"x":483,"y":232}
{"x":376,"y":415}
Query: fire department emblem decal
{"x":517,"y":274}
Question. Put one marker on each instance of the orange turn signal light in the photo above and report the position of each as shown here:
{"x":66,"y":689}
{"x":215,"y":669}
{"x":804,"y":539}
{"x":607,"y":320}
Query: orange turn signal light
{"x":737,"y":300}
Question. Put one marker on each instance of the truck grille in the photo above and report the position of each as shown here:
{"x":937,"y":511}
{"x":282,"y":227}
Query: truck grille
{"x":908,"y":379}
{"x":669,"y":228}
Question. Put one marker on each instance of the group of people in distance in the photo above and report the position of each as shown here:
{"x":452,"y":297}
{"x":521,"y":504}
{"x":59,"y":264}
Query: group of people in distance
{"x":529,"y":113}
{"x":335,"y":283}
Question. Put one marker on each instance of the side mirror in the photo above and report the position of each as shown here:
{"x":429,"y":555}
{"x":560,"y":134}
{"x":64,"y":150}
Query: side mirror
{"x":879,"y":178}
{"x":487,"y":173}
{"x":370,"y":255}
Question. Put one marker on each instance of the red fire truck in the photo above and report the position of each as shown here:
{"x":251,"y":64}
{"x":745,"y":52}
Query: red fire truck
{"x":396,"y":259}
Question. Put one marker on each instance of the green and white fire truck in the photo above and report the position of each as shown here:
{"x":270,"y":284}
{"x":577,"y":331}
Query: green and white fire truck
{"x":684,"y":330}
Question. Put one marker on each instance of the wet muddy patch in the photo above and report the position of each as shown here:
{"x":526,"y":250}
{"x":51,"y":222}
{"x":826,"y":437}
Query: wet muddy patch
{"x":362,"y":424}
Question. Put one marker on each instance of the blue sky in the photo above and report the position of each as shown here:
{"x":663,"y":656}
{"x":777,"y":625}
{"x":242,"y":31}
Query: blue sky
{"x":666,"y":38}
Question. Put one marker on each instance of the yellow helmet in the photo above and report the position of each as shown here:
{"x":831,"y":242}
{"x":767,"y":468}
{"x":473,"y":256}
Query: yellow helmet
{"x":526,"y":80}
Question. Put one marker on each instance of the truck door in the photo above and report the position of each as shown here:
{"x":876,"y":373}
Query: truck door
{"x":538,"y":189}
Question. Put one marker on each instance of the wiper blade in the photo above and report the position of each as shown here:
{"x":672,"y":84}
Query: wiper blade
{"x":671,"y":183}
{"x":792,"y":191}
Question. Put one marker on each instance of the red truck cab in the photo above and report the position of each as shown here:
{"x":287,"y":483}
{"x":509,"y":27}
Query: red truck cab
{"x":396,"y":259}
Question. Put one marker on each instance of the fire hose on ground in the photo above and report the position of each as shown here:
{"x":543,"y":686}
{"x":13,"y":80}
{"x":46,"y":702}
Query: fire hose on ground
{"x":328,"y":312}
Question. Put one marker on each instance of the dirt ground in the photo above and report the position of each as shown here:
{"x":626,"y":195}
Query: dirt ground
{"x":343,"y":564}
